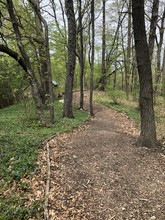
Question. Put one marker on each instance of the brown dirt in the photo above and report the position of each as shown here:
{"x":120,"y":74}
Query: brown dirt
{"x":98,"y":173}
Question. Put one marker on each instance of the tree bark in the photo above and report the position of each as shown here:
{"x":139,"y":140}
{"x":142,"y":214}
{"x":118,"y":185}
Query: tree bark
{"x":68,"y":96}
{"x":135,"y":80}
{"x":148,"y":130}
{"x":81,"y":57}
{"x":92,"y":58}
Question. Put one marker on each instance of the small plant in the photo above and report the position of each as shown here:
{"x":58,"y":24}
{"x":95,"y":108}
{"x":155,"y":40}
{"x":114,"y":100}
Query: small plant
{"x":115,"y":95}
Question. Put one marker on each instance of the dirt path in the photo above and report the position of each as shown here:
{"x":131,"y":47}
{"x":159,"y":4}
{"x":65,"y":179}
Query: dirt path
{"x":98,"y":173}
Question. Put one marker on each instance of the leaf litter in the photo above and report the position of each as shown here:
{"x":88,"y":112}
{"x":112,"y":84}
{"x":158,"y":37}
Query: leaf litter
{"x":98,"y":173}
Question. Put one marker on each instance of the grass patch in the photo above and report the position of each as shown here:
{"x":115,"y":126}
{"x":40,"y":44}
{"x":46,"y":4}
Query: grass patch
{"x":20,"y":138}
{"x":13,"y":208}
{"x":130,"y":108}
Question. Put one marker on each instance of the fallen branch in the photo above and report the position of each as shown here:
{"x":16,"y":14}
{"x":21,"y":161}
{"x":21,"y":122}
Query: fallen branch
{"x":46,"y":210}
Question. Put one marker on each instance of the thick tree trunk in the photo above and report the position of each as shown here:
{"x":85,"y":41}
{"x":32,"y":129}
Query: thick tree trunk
{"x":148,"y":130}
{"x":68,"y":111}
{"x":37,"y":99}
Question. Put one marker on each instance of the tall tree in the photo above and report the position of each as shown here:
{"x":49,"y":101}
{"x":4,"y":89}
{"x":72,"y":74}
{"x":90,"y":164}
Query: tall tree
{"x":128,"y":58}
{"x":46,"y":61}
{"x":68,"y":96}
{"x":92,"y":45}
{"x":103,"y":67}
{"x":40,"y":54}
{"x":148,"y":130}
{"x":81,"y":54}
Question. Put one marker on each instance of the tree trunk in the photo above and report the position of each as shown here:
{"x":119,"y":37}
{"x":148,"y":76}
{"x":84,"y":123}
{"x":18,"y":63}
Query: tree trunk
{"x":68,"y":96}
{"x":135,"y":80}
{"x":41,"y":54}
{"x":81,"y":57}
{"x":152,"y":33}
{"x":103,"y":68}
{"x":92,"y":44}
{"x":125,"y":64}
{"x":46,"y":60}
{"x":37,"y":99}
{"x":159,"y":50}
{"x":128,"y":57}
{"x":163,"y":76}
{"x":148,"y":130}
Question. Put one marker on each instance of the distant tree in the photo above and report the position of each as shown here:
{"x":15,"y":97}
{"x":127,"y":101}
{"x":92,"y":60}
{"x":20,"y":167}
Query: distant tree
{"x":68,"y":96}
{"x":115,"y":58}
{"x":148,"y":130}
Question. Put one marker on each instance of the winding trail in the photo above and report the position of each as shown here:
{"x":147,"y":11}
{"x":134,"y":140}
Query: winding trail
{"x":98,"y":173}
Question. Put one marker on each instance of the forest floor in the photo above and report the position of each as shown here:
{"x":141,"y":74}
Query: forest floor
{"x":98,"y":173}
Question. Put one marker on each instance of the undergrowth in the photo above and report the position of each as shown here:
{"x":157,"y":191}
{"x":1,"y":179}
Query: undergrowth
{"x":20,"y":138}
